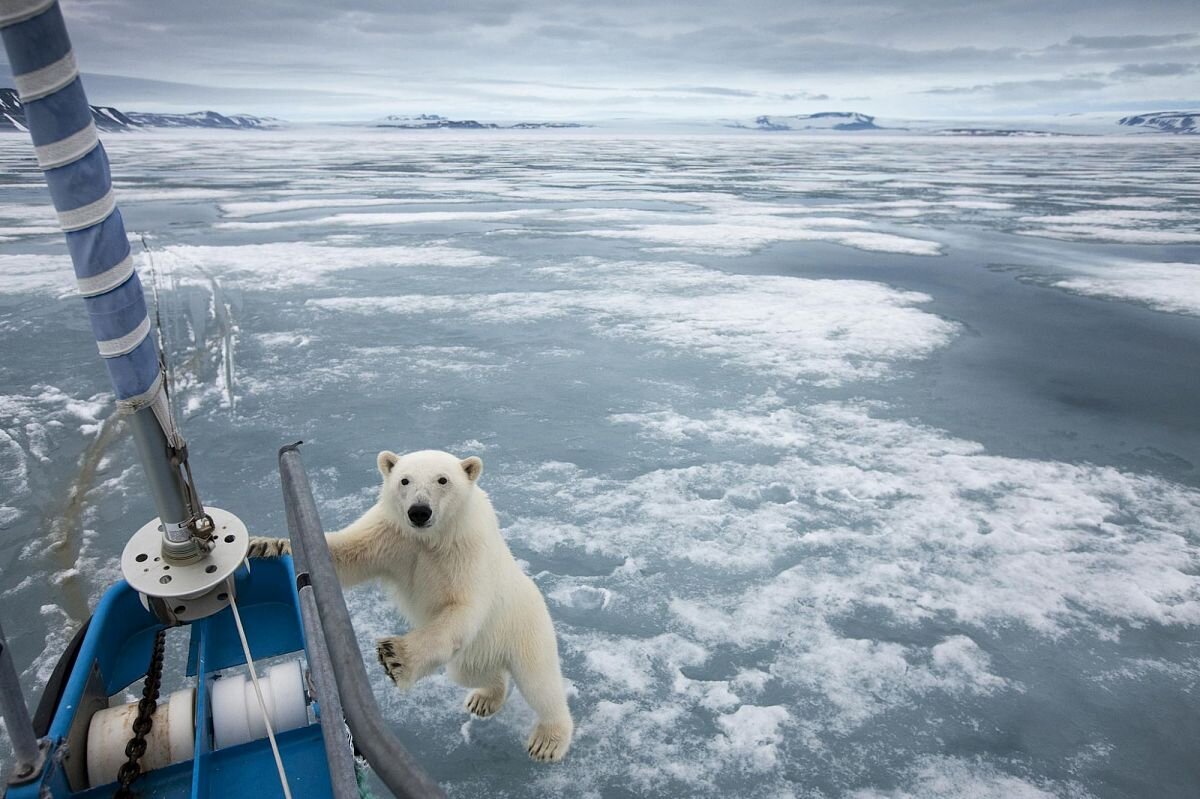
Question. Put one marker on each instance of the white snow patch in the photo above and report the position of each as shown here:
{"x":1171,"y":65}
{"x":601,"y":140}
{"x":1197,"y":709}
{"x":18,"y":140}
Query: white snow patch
{"x":289,"y":264}
{"x":752,"y":736}
{"x":1118,"y":234}
{"x":825,"y":331}
{"x":26,"y":274}
{"x":1173,"y":287}
{"x":958,"y":778}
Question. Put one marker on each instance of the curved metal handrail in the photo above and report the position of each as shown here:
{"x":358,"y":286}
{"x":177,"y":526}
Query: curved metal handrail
{"x":372,"y":735}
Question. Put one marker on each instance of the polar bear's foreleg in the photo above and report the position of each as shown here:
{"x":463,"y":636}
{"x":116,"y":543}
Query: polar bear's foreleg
{"x":409,"y":657}
{"x":537,"y":675}
{"x":353,"y":557}
{"x":268,"y":547}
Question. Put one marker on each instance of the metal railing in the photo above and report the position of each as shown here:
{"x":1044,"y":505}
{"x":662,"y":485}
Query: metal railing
{"x":28,"y":752}
{"x":317,"y":579}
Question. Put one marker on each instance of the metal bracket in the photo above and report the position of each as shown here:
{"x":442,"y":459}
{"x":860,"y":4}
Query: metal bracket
{"x":25,"y":773}
{"x":191,"y":589}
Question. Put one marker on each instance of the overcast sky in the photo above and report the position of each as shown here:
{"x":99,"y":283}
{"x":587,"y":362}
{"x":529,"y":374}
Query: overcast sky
{"x":583,"y":59}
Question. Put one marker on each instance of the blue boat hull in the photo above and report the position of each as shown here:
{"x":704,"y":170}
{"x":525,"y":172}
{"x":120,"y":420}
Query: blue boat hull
{"x":116,"y":651}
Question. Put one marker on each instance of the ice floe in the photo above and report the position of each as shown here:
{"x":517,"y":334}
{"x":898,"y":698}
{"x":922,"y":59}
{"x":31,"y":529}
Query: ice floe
{"x":286,"y":264}
{"x":826,"y":331}
{"x":1173,"y":287}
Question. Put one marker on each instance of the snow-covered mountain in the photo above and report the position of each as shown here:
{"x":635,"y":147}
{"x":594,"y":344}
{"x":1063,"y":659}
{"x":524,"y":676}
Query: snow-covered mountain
{"x":825,"y":120}
{"x":202,"y":119}
{"x":12,"y":114}
{"x":426,"y":121}
{"x":994,"y":132}
{"x":12,"y":117}
{"x":1165,"y":121}
{"x":433,"y":121}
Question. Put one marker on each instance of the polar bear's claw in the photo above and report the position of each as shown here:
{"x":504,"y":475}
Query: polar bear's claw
{"x":548,"y":743}
{"x":483,"y":703}
{"x":393,"y":656}
{"x":268,"y":547}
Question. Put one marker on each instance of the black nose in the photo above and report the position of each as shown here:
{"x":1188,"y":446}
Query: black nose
{"x":419,"y":514}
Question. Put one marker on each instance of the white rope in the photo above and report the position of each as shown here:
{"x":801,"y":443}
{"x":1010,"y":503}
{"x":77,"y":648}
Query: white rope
{"x":237,"y":617}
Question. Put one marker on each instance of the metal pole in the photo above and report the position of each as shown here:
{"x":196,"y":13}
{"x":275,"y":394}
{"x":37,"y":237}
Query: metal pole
{"x":373,"y":736}
{"x":163,"y":478}
{"x":75,"y":166}
{"x":342,"y":775}
{"x":333,"y":730}
{"x":16,"y":717}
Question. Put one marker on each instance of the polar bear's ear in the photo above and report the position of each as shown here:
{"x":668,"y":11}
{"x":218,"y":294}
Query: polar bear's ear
{"x":387,"y":459}
{"x":473,"y":467}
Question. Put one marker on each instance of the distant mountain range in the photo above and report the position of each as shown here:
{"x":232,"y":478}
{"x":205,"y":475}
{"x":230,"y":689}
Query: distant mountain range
{"x":994,"y":132}
{"x":12,"y":117}
{"x":1176,"y":122}
{"x":826,"y":120}
{"x":434,"y":121}
{"x":1166,"y":121}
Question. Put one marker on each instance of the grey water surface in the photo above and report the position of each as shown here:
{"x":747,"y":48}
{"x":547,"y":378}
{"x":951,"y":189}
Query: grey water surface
{"x":857,"y":467}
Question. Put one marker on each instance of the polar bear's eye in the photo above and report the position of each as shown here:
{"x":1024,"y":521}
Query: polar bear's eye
{"x":441,"y":481}
{"x":404,"y":481}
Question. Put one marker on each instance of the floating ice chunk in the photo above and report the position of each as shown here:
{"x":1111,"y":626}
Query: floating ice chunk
{"x":390,"y":219}
{"x":957,"y":778}
{"x":25,"y":274}
{"x":980,"y":537}
{"x":737,"y":236}
{"x":1124,"y":218}
{"x":1173,"y":287}
{"x":1135,"y":201}
{"x":1117,"y":234}
{"x":979,"y":205}
{"x":139,"y":194}
{"x":752,"y":736}
{"x":288,"y":264}
{"x":260,"y":208}
{"x":633,"y":664}
{"x":284,"y":340}
{"x":826,"y":331}
{"x":582,"y":597}
{"x":959,"y":661}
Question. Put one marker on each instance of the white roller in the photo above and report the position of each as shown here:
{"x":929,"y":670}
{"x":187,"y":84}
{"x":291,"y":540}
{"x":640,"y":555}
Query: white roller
{"x":171,"y":738}
{"x":236,"y":715}
{"x":230,"y":726}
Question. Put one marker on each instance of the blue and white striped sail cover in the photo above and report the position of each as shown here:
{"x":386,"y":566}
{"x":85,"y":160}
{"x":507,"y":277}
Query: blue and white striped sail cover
{"x":76,"y":168}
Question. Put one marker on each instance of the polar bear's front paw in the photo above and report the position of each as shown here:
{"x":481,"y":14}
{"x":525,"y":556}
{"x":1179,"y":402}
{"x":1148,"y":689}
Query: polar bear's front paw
{"x":549,"y":742}
{"x":393,"y":656}
{"x":268,"y":547}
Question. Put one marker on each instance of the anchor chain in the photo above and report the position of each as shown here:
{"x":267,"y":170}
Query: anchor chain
{"x":132,"y":769}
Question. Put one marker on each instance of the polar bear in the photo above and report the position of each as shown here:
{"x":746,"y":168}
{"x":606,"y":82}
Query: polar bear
{"x":432,"y":539}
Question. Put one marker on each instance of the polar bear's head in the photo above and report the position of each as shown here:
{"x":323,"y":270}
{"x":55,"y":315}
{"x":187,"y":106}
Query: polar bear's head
{"x":426,"y":490}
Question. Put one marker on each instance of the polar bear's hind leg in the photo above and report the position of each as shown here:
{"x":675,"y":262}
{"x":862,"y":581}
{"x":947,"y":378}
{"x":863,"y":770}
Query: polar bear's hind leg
{"x":542,"y":686}
{"x":485,"y":701}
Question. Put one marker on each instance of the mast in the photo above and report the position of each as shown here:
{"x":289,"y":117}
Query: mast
{"x":76,"y":169}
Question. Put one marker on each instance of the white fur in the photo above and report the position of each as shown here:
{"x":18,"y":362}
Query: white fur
{"x":468,"y":604}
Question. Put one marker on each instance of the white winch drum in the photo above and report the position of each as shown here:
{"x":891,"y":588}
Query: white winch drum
{"x":237,"y":717}
{"x":171,"y":738}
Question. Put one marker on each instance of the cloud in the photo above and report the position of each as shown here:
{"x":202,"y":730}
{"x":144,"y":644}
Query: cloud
{"x":570,"y":33}
{"x":1024,"y":89}
{"x":576,"y":59}
{"x":719,"y":91}
{"x":1129,"y":42}
{"x":1140,"y":71}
